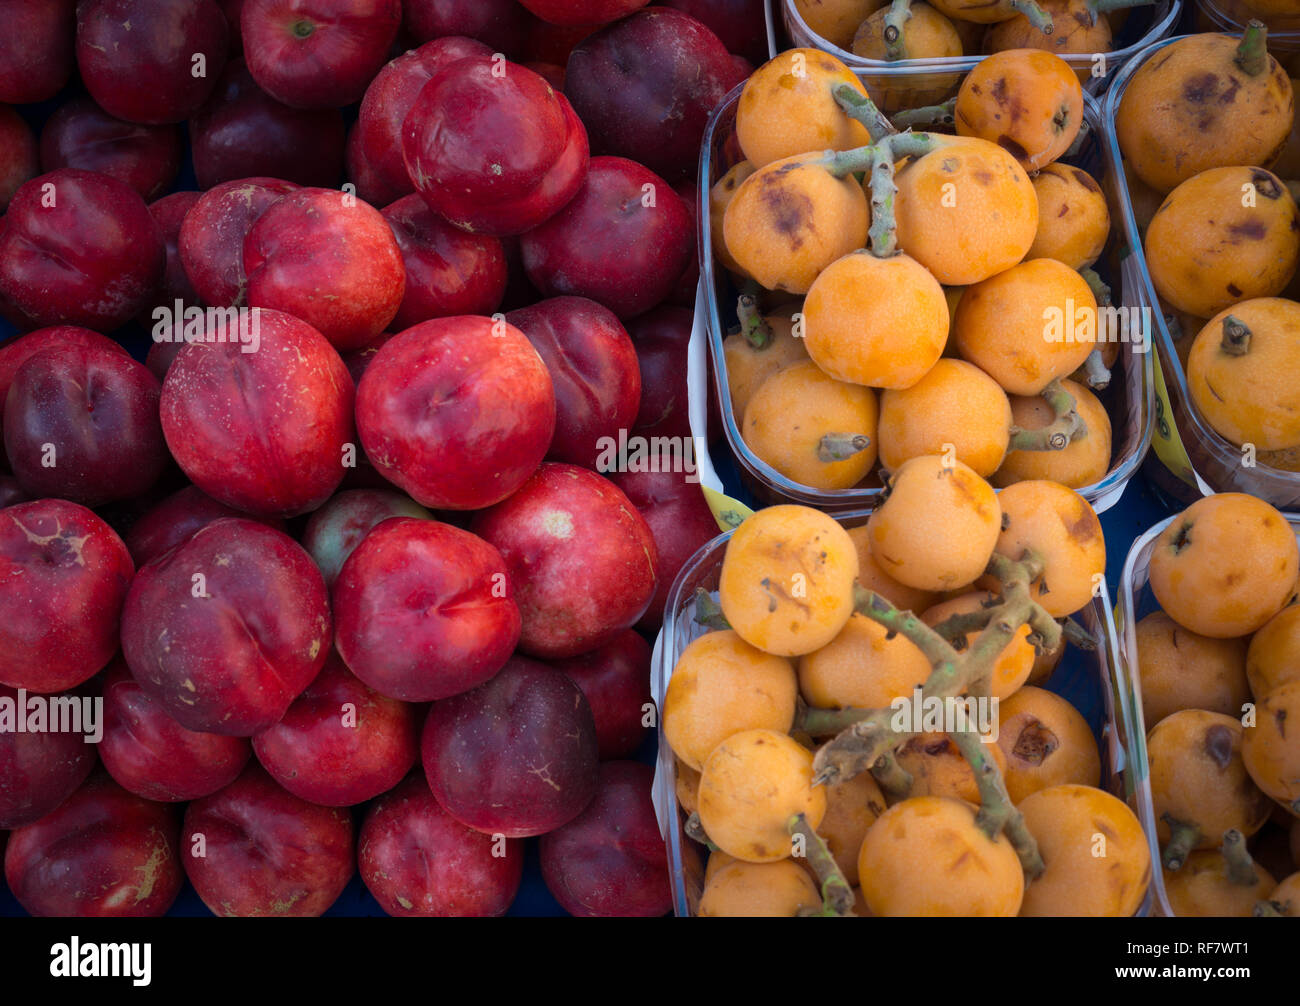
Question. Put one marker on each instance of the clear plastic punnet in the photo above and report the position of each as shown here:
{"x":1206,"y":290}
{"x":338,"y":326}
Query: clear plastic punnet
{"x":1094,"y":682}
{"x":1129,"y":398}
{"x":1143,"y":26}
{"x":1231,"y":16}
{"x":1136,"y":601}
{"x":1190,"y":458}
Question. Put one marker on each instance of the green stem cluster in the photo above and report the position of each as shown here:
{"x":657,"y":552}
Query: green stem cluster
{"x":1056,"y":435}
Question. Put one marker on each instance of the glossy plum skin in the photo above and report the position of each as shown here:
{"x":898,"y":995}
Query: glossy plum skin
{"x":360,"y":173}
{"x":615,"y":678}
{"x":389,"y":98}
{"x":16,"y":352}
{"x":448,"y":271}
{"x":594,"y":369}
{"x":138,"y":57}
{"x":36,"y":49}
{"x":502,"y":25}
{"x":175,"y":518}
{"x":661,"y":338}
{"x":424,"y":610}
{"x":582,"y":12}
{"x":337,"y":528}
{"x":515,"y":756}
{"x":417,"y":860}
{"x":340,"y":743}
{"x":645,"y":86}
{"x":564,"y":519}
{"x":104,"y":853}
{"x":607,"y":244}
{"x":456,"y":411}
{"x":495,"y":154}
{"x":330,"y":259}
{"x":228,"y":654}
{"x":64,"y":575}
{"x":94,"y":258}
{"x":611,"y":861}
{"x":267,"y":852}
{"x":242,"y":132}
{"x":151,"y":755}
{"x":211,"y":241}
{"x":678,"y":517}
{"x":169,"y":213}
{"x":266,"y":432}
{"x":19,"y":158}
{"x":38,"y":771}
{"x":317,"y":53}
{"x":93,"y":412}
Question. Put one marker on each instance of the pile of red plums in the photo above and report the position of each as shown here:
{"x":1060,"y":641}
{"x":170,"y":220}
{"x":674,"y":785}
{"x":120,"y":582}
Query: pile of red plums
{"x":306,"y":470}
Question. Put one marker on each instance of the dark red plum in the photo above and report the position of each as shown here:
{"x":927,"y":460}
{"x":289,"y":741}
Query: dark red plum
{"x":81,"y":423}
{"x":318,"y":53}
{"x":645,"y":86}
{"x":330,"y":259}
{"x":515,"y":756}
{"x":64,"y":575}
{"x":104,"y":853}
{"x":581,"y":559}
{"x":341,"y":743}
{"x":268,"y":432}
{"x":242,"y":132}
{"x":417,"y":860}
{"x":226,"y":629}
{"x":615,"y":678}
{"x":10,"y":493}
{"x":151,"y":755}
{"x":38,"y":771}
{"x":582,"y":12}
{"x":661,"y":338}
{"x":16,"y":352}
{"x":678,"y":517}
{"x":456,"y":411}
{"x":359,"y":171}
{"x":624,"y":240}
{"x":502,"y":25}
{"x":448,"y":271}
{"x":338,"y":527}
{"x":424,"y":610}
{"x":739,"y":24}
{"x":264,"y":851}
{"x":78,"y":248}
{"x":389,"y":98}
{"x":211,"y":242}
{"x":82,"y":135}
{"x":151,"y":61}
{"x":610,"y":861}
{"x":18,"y":154}
{"x":492,"y":147}
{"x":170,"y":212}
{"x":594,"y":369}
{"x":36,"y":49}
{"x":177,"y":517}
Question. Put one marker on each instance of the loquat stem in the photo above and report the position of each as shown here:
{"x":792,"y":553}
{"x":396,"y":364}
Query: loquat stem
{"x":753,"y":326}
{"x":1268,"y":910}
{"x":1236,"y":337}
{"x":884,"y":228}
{"x":695,"y":831}
{"x":1057,"y":434}
{"x":1241,"y":868}
{"x":860,"y":107}
{"x":1096,"y":374}
{"x":841,"y":446}
{"x":900,"y":12}
{"x":928,"y":115}
{"x":708,"y":612}
{"x":997,"y":813}
{"x":837,"y":894}
{"x":1078,"y":635}
{"x":1182,"y":840}
{"x":1036,"y":16}
{"x":895,"y":780}
{"x":1252,"y":53}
